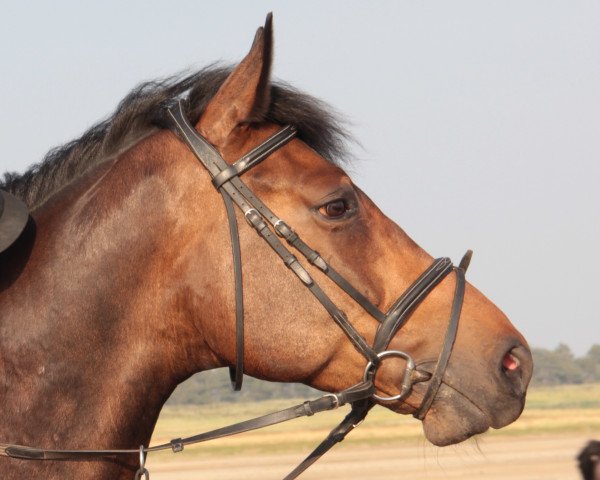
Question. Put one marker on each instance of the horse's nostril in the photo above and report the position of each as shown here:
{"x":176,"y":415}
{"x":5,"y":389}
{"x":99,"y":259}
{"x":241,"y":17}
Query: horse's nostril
{"x":510,"y":363}
{"x":516,"y":367}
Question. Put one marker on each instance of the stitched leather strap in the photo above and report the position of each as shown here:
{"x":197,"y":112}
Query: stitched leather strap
{"x":255,"y":156}
{"x":255,"y":211}
{"x":415,"y":294}
{"x":355,"y":393}
{"x":285,"y":231}
{"x":292,"y":262}
{"x":442,"y":363}
{"x":236,"y":373}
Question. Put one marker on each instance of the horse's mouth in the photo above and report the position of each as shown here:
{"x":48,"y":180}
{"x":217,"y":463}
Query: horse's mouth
{"x":453,"y":416}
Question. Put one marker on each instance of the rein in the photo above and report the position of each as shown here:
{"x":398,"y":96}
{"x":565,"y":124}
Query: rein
{"x":227,"y":181}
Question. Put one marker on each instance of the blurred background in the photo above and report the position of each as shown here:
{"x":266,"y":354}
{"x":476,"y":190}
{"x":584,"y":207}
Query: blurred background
{"x":477,"y":125}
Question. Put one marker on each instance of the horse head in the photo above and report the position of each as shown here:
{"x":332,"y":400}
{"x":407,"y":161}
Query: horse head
{"x":289,"y":336}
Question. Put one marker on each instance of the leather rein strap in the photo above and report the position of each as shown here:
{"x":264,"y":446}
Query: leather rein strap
{"x":227,"y":181}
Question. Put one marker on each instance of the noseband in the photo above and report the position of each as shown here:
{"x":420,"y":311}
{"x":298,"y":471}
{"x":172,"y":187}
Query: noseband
{"x":272,"y":229}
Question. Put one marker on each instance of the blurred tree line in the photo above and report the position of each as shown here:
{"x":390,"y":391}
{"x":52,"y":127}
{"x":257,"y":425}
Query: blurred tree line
{"x":214,"y":386}
{"x":558,"y":366}
{"x":552,"y":367}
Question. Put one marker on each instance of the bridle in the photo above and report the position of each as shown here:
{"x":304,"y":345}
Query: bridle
{"x":273,"y":230}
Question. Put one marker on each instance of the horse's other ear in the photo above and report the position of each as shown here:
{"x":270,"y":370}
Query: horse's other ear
{"x":244,"y":97}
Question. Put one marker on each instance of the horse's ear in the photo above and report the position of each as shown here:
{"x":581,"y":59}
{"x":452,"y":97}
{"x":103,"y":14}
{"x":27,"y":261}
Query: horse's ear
{"x":245,"y":96}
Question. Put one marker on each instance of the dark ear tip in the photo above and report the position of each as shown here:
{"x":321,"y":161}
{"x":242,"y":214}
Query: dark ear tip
{"x":266,"y":31}
{"x":269,"y":26}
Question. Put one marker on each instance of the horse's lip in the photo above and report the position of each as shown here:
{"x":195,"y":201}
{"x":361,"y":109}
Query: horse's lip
{"x":489,"y":417}
{"x":417,"y":376}
{"x":467,"y":399}
{"x":446,"y":384}
{"x":421,"y":375}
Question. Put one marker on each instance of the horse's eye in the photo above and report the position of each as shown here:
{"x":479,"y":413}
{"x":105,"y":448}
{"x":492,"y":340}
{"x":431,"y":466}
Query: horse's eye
{"x":334,"y":209}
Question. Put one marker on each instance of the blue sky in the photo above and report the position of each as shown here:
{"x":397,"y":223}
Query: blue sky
{"x":478,"y":122}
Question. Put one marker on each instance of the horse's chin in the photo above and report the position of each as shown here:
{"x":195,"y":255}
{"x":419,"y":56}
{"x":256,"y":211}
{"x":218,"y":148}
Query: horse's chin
{"x":453,"y":418}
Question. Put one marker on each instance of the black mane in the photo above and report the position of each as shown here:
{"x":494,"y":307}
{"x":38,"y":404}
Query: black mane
{"x":143,"y":110}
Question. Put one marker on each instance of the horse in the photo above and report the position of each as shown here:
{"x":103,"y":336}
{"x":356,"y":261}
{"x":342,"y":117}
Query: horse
{"x":121,"y":287}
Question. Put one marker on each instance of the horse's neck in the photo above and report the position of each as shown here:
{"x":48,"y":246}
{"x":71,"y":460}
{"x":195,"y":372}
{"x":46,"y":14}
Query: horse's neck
{"x":90,"y":346}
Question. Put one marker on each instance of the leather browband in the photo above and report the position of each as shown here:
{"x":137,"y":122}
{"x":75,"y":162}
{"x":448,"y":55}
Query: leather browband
{"x":255,"y":156}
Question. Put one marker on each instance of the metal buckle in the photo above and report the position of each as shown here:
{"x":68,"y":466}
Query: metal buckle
{"x":336,"y":400}
{"x":177,"y":445}
{"x":276,"y":227}
{"x":255,"y":214}
{"x":371,"y":370}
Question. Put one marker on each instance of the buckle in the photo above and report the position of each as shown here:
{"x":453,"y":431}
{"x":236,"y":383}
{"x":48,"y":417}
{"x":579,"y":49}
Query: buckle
{"x":282,"y":229}
{"x":336,"y":400}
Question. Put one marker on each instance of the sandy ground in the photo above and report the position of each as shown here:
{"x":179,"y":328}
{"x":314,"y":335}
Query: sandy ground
{"x":518,"y":458}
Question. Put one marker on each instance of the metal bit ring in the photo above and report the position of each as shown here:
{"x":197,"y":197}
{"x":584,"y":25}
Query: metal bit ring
{"x":371,"y":370}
